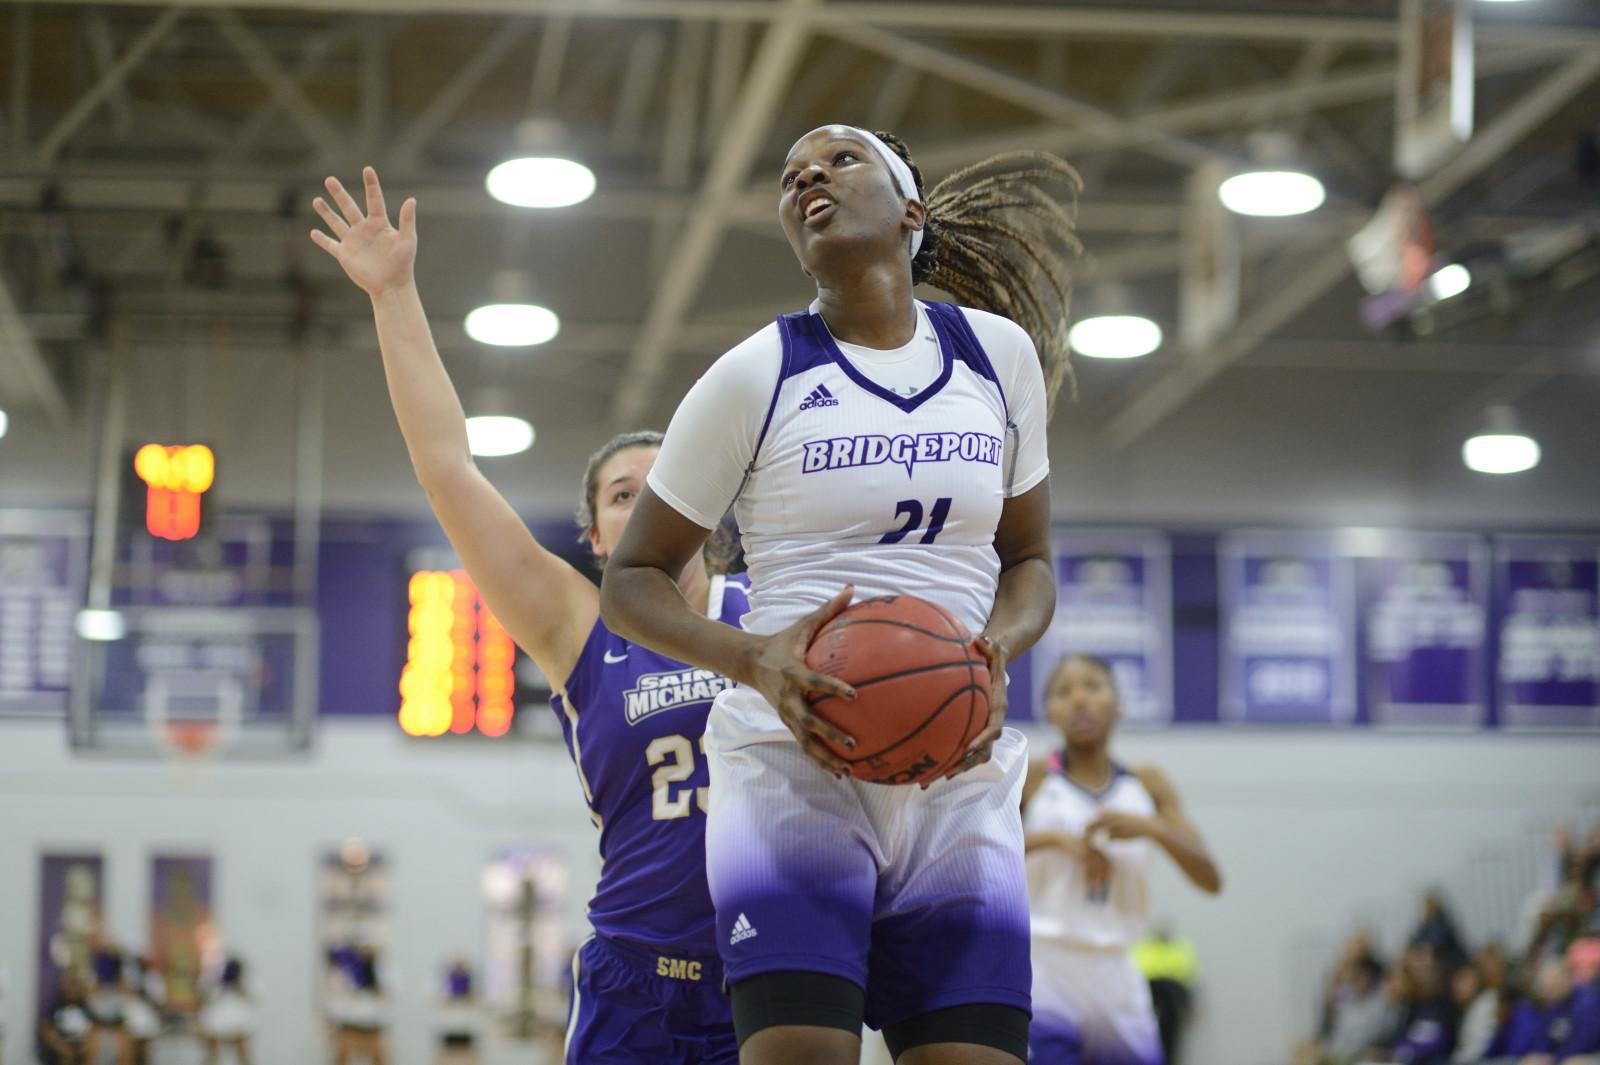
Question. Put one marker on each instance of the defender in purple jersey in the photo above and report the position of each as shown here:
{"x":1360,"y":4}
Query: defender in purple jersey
{"x":648,"y":985}
{"x":880,"y":444}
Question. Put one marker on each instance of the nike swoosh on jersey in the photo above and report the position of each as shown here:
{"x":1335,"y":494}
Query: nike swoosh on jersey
{"x":613,"y":660}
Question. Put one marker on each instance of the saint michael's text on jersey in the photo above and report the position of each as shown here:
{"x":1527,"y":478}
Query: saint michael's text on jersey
{"x":663,"y":691}
{"x":845,"y":452}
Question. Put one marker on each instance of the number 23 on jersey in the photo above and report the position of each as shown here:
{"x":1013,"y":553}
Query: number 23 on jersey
{"x":675,"y":757}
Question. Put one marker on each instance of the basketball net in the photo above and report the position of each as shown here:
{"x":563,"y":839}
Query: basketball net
{"x":190,"y":747}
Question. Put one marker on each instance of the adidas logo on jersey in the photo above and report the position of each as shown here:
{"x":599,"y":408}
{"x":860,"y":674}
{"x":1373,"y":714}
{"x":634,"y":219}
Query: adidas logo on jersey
{"x":819,"y":397}
{"x":742,"y":930}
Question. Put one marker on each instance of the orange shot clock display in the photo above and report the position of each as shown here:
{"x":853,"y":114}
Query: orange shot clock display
{"x":459,"y":673}
{"x":176,"y":478}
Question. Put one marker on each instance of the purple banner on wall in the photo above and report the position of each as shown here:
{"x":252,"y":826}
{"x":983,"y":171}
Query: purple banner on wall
{"x":183,"y":935}
{"x":1425,"y":606}
{"x":1548,"y":674}
{"x":71,"y":894}
{"x":1288,"y":629}
{"x":43,"y":559}
{"x":1114,"y":600}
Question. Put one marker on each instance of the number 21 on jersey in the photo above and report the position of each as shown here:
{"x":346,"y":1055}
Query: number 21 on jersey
{"x":676,"y":758}
{"x":911,"y":511}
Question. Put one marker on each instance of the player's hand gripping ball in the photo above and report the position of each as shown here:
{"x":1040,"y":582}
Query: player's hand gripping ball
{"x":922,"y":688}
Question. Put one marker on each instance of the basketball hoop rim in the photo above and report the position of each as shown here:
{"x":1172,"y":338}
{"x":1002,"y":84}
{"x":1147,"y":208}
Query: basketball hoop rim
{"x":190,"y":739}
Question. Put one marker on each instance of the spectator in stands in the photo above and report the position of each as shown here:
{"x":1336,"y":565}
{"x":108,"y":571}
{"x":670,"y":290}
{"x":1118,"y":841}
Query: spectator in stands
{"x":68,"y":1035}
{"x":1437,"y":932}
{"x":1479,"y":1003}
{"x":361,"y":1018}
{"x":460,"y":1021}
{"x":1566,"y":918}
{"x":1583,"y":869}
{"x":141,"y":1017}
{"x":1355,"y":1010}
{"x":104,"y":999}
{"x":1569,"y":1016}
{"x":1355,"y":960}
{"x":1582,"y":862}
{"x":1518,"y":1029}
{"x":227,"y":1019}
{"x":124,"y":1020}
{"x":1359,"y":1014}
{"x":1426,"y":1032}
{"x":148,"y":982}
{"x":1493,"y":967}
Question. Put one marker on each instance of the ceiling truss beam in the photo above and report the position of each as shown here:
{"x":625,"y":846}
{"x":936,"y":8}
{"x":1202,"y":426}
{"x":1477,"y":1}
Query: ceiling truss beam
{"x":407,"y":146}
{"x":948,"y":15}
{"x":771,"y":72}
{"x":1061,"y":107}
{"x":110,"y":81}
{"x":27,"y":377}
{"x":1304,"y":286}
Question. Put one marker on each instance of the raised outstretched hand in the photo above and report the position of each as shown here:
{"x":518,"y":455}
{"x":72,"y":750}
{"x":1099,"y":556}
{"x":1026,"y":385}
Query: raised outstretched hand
{"x":376,"y":256}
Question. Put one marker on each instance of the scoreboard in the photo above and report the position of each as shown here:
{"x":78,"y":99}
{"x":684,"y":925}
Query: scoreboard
{"x":463,"y":675}
{"x":458,"y":675}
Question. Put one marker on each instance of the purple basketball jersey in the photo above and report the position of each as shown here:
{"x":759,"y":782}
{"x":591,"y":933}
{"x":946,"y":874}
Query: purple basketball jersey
{"x":634,"y":723}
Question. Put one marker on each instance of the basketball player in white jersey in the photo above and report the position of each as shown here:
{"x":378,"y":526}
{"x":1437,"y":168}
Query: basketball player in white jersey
{"x":873,"y":444}
{"x":1093,"y":830}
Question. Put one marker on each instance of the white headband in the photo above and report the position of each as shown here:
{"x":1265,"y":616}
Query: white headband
{"x":902,"y":176}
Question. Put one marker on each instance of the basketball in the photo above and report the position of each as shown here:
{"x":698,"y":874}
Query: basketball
{"x":922,"y":689}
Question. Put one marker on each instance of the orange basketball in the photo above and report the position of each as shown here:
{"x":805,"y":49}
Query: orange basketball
{"x":922,"y":689}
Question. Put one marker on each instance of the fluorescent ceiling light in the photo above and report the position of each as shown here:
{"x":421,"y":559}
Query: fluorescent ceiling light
{"x":1114,"y":336}
{"x":1500,"y":453}
{"x":541,"y":181}
{"x":512,"y":325}
{"x":1271,"y":193}
{"x":493,"y":435}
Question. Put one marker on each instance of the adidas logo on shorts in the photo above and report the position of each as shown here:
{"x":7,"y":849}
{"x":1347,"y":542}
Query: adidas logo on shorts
{"x":819,"y":397}
{"x":742,"y":929}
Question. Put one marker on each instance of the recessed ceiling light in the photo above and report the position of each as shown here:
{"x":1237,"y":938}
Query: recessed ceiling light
{"x":1500,"y":453}
{"x":1114,"y":336}
{"x":1271,"y":193}
{"x":493,"y":435}
{"x":512,"y":325}
{"x":541,"y":181}
{"x":1501,"y":446}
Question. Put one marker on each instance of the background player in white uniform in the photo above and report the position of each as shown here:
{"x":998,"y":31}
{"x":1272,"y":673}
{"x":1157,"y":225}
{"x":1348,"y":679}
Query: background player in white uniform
{"x":1093,"y":829}
{"x":899,"y":447}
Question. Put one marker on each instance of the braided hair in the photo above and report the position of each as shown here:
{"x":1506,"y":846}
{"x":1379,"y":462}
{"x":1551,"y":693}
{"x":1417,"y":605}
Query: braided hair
{"x":1001,"y":236}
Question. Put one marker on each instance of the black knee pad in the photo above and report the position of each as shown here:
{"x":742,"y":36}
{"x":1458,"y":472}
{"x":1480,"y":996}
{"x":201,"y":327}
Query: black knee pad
{"x":984,"y":1024}
{"x":816,"y":1000}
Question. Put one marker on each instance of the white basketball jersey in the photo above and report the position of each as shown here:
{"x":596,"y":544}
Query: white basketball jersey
{"x":855,"y":484}
{"x":1063,"y":908}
